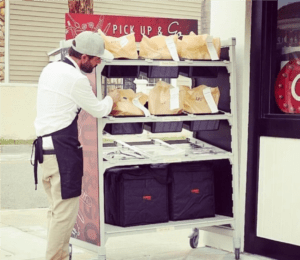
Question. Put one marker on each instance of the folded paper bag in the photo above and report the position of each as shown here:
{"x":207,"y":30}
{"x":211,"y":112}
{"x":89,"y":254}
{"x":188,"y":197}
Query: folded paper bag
{"x":198,"y":47}
{"x":122,"y":47}
{"x":125,"y":105}
{"x":160,"y":99}
{"x":156,"y":47}
{"x":197,"y":103}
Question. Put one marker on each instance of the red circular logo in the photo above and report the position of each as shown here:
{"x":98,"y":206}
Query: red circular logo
{"x":287,"y":88}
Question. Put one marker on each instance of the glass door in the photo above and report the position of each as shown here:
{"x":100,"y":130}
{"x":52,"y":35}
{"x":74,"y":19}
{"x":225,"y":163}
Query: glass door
{"x":272,"y":215}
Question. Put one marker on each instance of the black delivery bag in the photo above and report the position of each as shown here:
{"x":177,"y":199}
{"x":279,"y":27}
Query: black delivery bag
{"x":136,"y":195}
{"x":191,"y":191}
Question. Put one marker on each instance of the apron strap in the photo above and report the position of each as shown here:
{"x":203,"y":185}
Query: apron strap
{"x":37,"y":146}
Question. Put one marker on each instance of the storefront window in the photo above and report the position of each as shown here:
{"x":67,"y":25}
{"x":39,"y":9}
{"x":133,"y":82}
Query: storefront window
{"x":285,"y":89}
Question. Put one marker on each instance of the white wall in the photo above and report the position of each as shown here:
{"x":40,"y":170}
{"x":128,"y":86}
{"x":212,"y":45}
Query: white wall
{"x":278,"y":211}
{"x":18,"y":111}
{"x":232,"y":18}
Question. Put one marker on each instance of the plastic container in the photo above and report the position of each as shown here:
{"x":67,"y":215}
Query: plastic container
{"x":124,"y":128}
{"x":121,"y":71}
{"x":160,"y":71}
{"x":201,"y":125}
{"x":199,"y":72}
{"x":164,"y":127}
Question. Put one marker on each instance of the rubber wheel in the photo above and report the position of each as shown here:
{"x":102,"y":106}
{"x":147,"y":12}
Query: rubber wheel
{"x":194,"y":241}
{"x":237,"y":253}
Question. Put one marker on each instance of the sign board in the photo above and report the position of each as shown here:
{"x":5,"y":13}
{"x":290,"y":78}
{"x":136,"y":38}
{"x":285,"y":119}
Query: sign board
{"x":118,"y":26}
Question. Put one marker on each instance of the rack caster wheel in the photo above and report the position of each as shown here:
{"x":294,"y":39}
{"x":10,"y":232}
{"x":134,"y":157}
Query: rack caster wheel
{"x":237,"y":253}
{"x":194,"y":238}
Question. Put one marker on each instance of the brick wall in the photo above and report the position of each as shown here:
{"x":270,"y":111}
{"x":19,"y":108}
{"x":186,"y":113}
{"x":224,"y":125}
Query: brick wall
{"x":2,"y":37}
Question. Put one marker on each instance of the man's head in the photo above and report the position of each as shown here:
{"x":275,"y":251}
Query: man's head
{"x":88,"y":49}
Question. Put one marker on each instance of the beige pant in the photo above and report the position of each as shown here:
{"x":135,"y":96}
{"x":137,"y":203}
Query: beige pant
{"x":62,"y":214}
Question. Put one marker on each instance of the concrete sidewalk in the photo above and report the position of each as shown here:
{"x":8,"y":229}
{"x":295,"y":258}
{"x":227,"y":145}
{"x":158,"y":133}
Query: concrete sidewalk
{"x":23,"y":237}
{"x":23,"y":232}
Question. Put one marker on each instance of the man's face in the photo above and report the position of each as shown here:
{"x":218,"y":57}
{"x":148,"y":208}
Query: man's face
{"x":88,"y":65}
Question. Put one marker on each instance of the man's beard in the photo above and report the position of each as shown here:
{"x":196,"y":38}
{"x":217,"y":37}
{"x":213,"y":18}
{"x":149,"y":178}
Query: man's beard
{"x":87,"y":67}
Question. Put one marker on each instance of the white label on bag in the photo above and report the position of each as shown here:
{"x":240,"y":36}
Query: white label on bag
{"x":172,"y":48}
{"x":174,"y":98}
{"x":137,"y":103}
{"x":211,"y":48}
{"x":123,"y":41}
{"x":210,"y":100}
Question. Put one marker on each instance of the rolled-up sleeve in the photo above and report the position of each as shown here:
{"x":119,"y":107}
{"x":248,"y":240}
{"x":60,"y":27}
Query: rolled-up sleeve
{"x":85,"y":98}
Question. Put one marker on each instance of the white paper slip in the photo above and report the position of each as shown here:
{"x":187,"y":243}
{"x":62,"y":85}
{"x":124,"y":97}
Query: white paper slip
{"x":137,"y":103}
{"x":123,"y":41}
{"x":210,"y":100}
{"x":172,"y":48}
{"x":174,"y":98}
{"x":211,"y":48}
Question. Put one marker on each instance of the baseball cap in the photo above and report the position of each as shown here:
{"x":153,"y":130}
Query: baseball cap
{"x":92,"y":44}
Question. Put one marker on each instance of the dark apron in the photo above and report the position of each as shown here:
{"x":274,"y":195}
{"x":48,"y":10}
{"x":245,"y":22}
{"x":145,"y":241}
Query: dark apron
{"x":69,"y":157}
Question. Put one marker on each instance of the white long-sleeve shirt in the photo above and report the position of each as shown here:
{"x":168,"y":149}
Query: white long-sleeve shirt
{"x":62,"y":90}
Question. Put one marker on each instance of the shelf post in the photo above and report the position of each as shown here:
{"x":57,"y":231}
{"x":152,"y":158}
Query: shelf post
{"x":234,"y":146}
{"x":101,"y":169}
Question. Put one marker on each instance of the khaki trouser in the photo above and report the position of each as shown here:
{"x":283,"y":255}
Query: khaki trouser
{"x":62,"y":214}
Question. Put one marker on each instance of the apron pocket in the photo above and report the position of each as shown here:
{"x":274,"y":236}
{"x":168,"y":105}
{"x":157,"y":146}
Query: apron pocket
{"x":71,"y":172}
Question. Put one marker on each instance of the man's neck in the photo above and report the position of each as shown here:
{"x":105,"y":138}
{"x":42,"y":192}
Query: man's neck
{"x":75,"y":59}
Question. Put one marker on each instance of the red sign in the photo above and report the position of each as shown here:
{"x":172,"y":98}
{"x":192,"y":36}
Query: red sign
{"x":118,"y":26}
{"x":287,"y":88}
{"x":88,"y":221}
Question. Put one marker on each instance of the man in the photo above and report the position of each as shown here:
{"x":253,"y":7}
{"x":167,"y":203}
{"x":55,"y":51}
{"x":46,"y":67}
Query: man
{"x":62,"y":91}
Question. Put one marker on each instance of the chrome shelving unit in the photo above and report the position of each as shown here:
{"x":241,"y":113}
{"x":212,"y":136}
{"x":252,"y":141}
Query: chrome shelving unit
{"x":215,"y":153}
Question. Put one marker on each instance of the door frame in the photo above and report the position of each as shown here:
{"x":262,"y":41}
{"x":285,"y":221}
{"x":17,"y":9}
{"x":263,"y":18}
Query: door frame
{"x":262,"y":77}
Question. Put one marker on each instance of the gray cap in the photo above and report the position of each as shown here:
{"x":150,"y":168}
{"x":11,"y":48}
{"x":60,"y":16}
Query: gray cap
{"x":92,"y":44}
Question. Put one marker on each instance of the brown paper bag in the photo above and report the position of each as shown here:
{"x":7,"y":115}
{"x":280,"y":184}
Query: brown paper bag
{"x":159,"y":99}
{"x":123,"y":47}
{"x":195,"y":102}
{"x":194,"y":47}
{"x":125,"y":107}
{"x":156,"y":47}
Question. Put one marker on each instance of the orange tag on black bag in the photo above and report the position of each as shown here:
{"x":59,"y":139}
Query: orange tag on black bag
{"x":196,"y":191}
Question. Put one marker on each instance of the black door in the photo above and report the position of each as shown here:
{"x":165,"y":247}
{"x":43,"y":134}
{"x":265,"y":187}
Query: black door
{"x":273,"y":29}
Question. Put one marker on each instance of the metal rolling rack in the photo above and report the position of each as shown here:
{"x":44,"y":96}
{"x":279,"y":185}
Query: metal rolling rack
{"x":106,"y":230}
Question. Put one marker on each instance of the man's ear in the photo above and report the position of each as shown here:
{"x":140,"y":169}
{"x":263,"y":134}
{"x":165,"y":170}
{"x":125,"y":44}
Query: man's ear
{"x":84,"y":58}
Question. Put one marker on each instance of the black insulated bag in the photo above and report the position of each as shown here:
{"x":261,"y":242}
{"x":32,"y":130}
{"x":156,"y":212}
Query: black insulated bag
{"x":191,"y":191}
{"x":136,"y":195}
